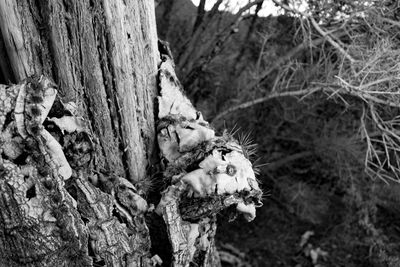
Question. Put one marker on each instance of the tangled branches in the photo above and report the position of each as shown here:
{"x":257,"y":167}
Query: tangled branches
{"x":352,"y":54}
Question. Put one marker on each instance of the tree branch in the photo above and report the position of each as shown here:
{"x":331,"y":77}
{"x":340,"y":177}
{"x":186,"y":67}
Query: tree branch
{"x":258,"y":101}
{"x":329,"y":89}
{"x":284,"y":161}
{"x":325,"y":34}
{"x":200,"y":15}
{"x":280,"y":61}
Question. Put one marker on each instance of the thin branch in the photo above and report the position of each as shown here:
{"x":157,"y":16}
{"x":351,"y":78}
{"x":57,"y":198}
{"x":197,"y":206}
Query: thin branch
{"x":282,"y":60}
{"x":200,"y":15}
{"x":330,"y":89}
{"x":282,"y":162}
{"x":375,"y":82}
{"x":216,"y":45}
{"x":189,"y":45}
{"x":247,"y":7}
{"x":330,"y":40}
{"x":258,"y":101}
{"x":215,"y":7}
{"x":324,"y":34}
{"x":247,"y":37}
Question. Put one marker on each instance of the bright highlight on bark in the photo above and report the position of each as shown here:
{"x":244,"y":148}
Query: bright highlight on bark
{"x":206,"y":173}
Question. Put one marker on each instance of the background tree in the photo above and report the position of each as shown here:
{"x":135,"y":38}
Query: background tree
{"x":318,"y":85}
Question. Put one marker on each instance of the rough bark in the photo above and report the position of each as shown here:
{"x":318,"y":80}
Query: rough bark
{"x":77,"y":139}
{"x":103,"y":56}
{"x":206,"y":173}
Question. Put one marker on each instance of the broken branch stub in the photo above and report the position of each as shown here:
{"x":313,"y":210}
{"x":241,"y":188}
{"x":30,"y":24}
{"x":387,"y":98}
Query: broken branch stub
{"x":206,"y":173}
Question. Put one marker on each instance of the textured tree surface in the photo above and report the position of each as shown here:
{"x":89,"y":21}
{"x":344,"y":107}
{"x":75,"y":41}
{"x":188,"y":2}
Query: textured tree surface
{"x":78,"y":154}
{"x":102,"y":57}
{"x":206,"y":173}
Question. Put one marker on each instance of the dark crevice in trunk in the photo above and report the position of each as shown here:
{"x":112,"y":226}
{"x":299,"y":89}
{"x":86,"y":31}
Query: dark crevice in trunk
{"x":6,"y":73}
{"x":159,"y":238}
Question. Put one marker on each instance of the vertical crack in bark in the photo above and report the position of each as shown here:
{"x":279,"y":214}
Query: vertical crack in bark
{"x":107,"y":68}
{"x":132,"y":71}
{"x":6,"y":72}
{"x":40,"y":18}
{"x":96,"y":85}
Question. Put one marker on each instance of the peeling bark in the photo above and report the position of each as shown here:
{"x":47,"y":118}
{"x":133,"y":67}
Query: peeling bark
{"x":102,"y":56}
{"x":206,"y":173}
{"x":48,"y":217}
{"x":77,"y":136}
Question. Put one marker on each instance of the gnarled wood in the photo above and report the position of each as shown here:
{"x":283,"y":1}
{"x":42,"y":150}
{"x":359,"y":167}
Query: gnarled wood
{"x":103,"y":56}
{"x":72,"y":166}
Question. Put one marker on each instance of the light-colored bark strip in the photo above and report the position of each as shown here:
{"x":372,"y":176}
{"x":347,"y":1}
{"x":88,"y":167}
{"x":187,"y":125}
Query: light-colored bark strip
{"x":134,"y":68}
{"x":103,"y":56}
{"x":14,"y":39}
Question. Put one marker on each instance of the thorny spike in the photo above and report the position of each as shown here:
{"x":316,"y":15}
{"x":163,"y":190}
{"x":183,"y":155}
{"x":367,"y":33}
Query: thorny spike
{"x":247,"y":144}
{"x":234,"y":130}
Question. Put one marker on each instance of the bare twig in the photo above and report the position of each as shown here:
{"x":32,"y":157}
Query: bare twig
{"x":324,"y":34}
{"x":258,"y":101}
{"x":365,"y":97}
{"x":247,"y":7}
{"x":330,"y":40}
{"x":247,"y":37}
{"x":282,"y":60}
{"x":200,"y":15}
{"x":216,"y":45}
{"x":284,"y":161}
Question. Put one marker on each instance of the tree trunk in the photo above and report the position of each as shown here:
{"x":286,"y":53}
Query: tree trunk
{"x":78,"y":143}
{"x":103,"y":56}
